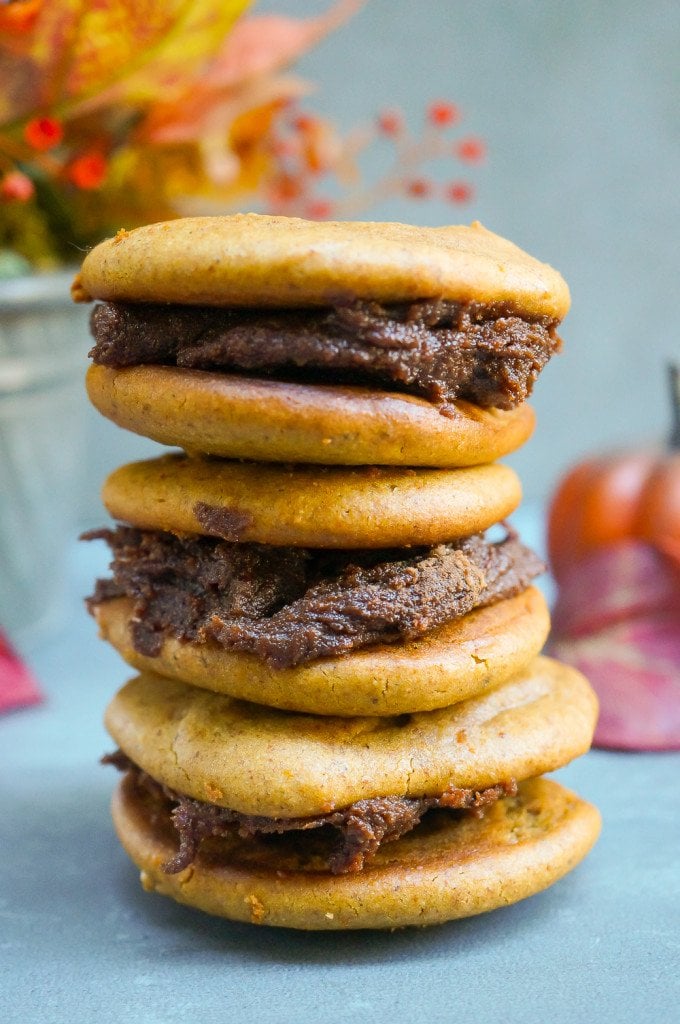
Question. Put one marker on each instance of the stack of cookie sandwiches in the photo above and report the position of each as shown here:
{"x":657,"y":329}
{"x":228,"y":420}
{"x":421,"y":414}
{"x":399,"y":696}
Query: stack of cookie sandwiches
{"x":341,"y":717}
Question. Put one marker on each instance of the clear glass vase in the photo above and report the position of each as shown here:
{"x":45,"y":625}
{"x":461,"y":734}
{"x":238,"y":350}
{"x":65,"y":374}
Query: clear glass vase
{"x":43,"y":346}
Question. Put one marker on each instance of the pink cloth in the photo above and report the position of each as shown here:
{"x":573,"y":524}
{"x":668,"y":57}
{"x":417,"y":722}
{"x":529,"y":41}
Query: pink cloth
{"x":18,"y":687}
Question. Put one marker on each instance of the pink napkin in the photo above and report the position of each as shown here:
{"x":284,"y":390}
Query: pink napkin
{"x":18,"y":688}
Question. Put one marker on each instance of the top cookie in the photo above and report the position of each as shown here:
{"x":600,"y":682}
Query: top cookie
{"x":253,"y":260}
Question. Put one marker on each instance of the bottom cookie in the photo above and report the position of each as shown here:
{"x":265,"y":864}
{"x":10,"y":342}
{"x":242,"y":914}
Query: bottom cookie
{"x":448,"y":867}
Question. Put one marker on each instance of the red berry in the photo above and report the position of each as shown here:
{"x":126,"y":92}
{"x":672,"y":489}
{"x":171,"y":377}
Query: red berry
{"x":459,"y":192}
{"x":281,"y":148}
{"x":43,"y":133}
{"x":442,"y":114}
{"x":303,"y":123}
{"x":284,"y":189}
{"x":16,"y":187}
{"x":88,"y":170}
{"x":471,"y":150}
{"x":390,"y":122}
{"x":418,"y":188}
{"x":319,"y":209}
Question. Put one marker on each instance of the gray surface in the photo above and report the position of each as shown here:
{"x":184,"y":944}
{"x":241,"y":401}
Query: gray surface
{"x":80,"y":941}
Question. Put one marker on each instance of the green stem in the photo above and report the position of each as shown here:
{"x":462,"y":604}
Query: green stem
{"x":674,"y":378}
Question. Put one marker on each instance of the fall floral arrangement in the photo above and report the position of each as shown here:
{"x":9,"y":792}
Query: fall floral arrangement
{"x":117,"y":113}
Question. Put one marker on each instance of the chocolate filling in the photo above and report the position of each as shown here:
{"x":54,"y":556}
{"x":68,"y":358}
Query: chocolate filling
{"x":289,"y":606}
{"x":360,"y":828}
{"x":489,"y":355}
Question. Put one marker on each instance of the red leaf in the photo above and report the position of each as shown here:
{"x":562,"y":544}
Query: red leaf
{"x":18,"y":688}
{"x":617,"y":619}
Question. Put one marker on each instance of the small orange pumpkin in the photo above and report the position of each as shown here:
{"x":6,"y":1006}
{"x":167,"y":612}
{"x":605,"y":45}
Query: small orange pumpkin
{"x":620,"y":496}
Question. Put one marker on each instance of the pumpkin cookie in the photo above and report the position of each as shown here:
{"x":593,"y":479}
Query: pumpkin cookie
{"x":459,"y":660}
{"x":252,"y":260}
{"x":310,"y":507}
{"x":347,"y":317}
{"x":282,"y":421}
{"x":445,"y":868}
{"x":264,"y":762}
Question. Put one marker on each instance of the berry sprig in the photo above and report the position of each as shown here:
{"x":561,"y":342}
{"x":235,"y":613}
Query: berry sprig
{"x":43,"y":151}
{"x":308,"y":154}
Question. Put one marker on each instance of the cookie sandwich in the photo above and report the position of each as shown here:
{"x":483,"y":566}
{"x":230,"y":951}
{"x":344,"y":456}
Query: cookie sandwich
{"x":340,"y":719}
{"x":316,"y":822}
{"x":333,"y":343}
{"x":329,"y":590}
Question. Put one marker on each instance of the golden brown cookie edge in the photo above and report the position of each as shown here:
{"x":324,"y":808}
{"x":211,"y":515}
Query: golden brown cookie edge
{"x":248,"y":259}
{"x":455,"y":662}
{"x":274,"y":421}
{"x":404,"y":886}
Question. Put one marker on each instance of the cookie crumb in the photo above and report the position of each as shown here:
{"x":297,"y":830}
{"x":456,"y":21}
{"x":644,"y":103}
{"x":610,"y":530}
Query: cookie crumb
{"x":147,"y":881}
{"x":256,"y":908}
{"x":214,"y":792}
{"x":79,"y":292}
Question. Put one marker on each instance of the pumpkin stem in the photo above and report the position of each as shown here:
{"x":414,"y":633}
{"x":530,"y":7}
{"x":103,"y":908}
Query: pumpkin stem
{"x":674,"y":377}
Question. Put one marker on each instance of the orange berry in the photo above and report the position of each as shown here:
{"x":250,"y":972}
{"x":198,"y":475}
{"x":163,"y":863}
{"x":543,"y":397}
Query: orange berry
{"x":88,"y":170}
{"x":319,"y":209}
{"x":390,"y":122}
{"x":284,"y":189}
{"x":43,"y":133}
{"x":303,"y":123}
{"x":459,"y":192}
{"x":442,"y":114}
{"x":418,"y":188}
{"x":16,"y":187}
{"x":471,"y":150}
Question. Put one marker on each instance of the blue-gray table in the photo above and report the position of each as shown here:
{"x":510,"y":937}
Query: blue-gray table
{"x":80,"y":941}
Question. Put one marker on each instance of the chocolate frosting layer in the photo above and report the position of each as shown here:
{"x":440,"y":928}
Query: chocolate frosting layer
{"x":289,"y":606}
{"x":360,"y":828}
{"x":441,"y":350}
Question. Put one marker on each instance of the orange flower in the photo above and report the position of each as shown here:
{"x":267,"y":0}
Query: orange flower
{"x":43,"y":133}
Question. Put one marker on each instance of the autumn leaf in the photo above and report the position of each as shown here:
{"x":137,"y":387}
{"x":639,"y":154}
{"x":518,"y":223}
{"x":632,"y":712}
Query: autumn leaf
{"x":18,"y":688}
{"x":262,"y":44}
{"x":83,"y":55}
{"x":242,"y":75}
{"x":617,"y":619}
